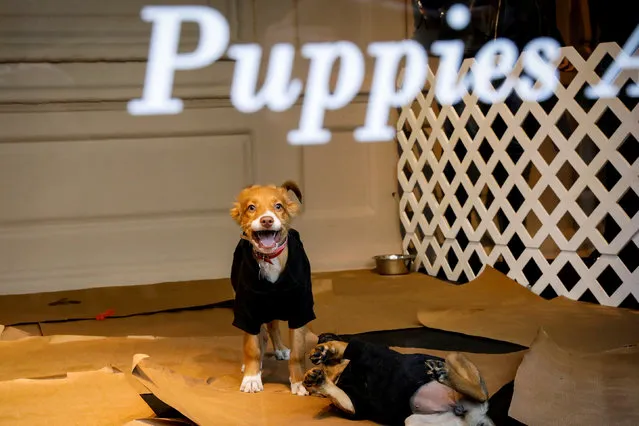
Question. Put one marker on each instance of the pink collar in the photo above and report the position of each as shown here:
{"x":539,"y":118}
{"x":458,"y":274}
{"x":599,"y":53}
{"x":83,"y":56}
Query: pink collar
{"x":267,"y":257}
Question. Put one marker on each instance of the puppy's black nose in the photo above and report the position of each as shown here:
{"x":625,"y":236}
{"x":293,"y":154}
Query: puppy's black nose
{"x":266,"y":221}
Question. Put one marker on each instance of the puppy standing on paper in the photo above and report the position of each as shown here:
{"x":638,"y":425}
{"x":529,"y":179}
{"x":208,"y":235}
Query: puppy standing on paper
{"x":271,"y":277}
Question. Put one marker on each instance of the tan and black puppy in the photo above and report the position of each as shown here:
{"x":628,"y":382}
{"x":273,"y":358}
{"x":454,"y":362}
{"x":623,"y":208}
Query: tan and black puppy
{"x":373,"y":382}
{"x":271,"y":277}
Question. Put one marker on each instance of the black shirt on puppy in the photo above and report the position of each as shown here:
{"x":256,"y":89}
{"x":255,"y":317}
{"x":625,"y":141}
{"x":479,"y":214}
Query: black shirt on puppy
{"x":259,"y":301}
{"x":380,"y":381}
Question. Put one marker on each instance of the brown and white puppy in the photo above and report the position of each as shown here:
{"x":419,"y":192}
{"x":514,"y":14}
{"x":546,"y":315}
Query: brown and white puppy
{"x":373,"y":382}
{"x":271,"y":277}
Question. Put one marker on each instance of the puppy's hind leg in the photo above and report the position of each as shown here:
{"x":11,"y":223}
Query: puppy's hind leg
{"x":315,"y":380}
{"x":281,"y":351}
{"x":263,"y":344}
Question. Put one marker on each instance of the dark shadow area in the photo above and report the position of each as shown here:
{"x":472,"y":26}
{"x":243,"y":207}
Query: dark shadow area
{"x":500,"y":404}
{"x":163,"y":410}
{"x":430,"y":338}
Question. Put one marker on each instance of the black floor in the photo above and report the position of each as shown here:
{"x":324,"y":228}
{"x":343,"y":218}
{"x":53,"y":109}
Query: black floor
{"x":429,"y":338}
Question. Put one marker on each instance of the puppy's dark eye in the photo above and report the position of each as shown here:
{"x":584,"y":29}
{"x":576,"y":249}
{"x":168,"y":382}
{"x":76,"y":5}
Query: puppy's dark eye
{"x":251,"y":208}
{"x":278,"y":206}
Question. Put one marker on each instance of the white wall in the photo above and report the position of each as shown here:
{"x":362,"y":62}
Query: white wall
{"x":91,"y":196}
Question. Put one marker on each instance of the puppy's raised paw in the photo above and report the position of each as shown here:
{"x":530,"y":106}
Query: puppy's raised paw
{"x":314,"y":378}
{"x":324,"y":353}
{"x":252,"y":384}
{"x":319,"y":355}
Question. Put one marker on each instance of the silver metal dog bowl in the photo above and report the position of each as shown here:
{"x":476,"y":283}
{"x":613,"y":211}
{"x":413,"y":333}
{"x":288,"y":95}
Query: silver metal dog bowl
{"x":393,"y":264}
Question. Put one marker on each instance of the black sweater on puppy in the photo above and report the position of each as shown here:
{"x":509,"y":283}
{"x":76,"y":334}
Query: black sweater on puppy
{"x":258,"y":301}
{"x":380,"y":381}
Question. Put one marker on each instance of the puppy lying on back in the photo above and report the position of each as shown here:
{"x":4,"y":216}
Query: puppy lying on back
{"x":271,"y":277}
{"x":373,"y":382}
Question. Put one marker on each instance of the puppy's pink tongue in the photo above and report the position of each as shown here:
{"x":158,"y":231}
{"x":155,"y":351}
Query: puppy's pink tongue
{"x":268,"y":240}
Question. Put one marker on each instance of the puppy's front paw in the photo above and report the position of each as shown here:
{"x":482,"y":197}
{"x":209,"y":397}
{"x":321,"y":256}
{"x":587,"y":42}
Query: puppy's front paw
{"x":252,"y":384}
{"x":298,"y":388}
{"x":323,"y":354}
{"x":282,"y":354}
{"x":314,"y":378}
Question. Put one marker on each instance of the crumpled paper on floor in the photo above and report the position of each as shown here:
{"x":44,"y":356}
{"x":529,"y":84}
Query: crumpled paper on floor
{"x":554,"y":386}
{"x":578,"y":325}
{"x":101,"y":397}
{"x":218,"y":401}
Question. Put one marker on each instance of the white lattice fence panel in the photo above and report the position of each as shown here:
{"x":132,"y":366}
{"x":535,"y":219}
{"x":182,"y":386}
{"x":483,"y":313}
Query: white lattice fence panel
{"x":547,"y":192}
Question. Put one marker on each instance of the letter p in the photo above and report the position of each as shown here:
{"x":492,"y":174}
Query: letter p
{"x":383,"y":95}
{"x":164,"y":59}
{"x":318,"y":99}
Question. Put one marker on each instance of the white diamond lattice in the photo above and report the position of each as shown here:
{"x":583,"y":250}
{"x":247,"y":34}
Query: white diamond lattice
{"x":548,"y":190}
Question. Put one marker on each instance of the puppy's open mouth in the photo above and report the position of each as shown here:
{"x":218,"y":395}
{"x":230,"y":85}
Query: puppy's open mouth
{"x":267,"y":239}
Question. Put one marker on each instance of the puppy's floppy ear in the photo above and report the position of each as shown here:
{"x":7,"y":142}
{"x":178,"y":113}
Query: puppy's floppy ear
{"x":292,"y":207}
{"x":289,"y":185}
{"x":464,"y":377}
{"x":235,"y":212}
